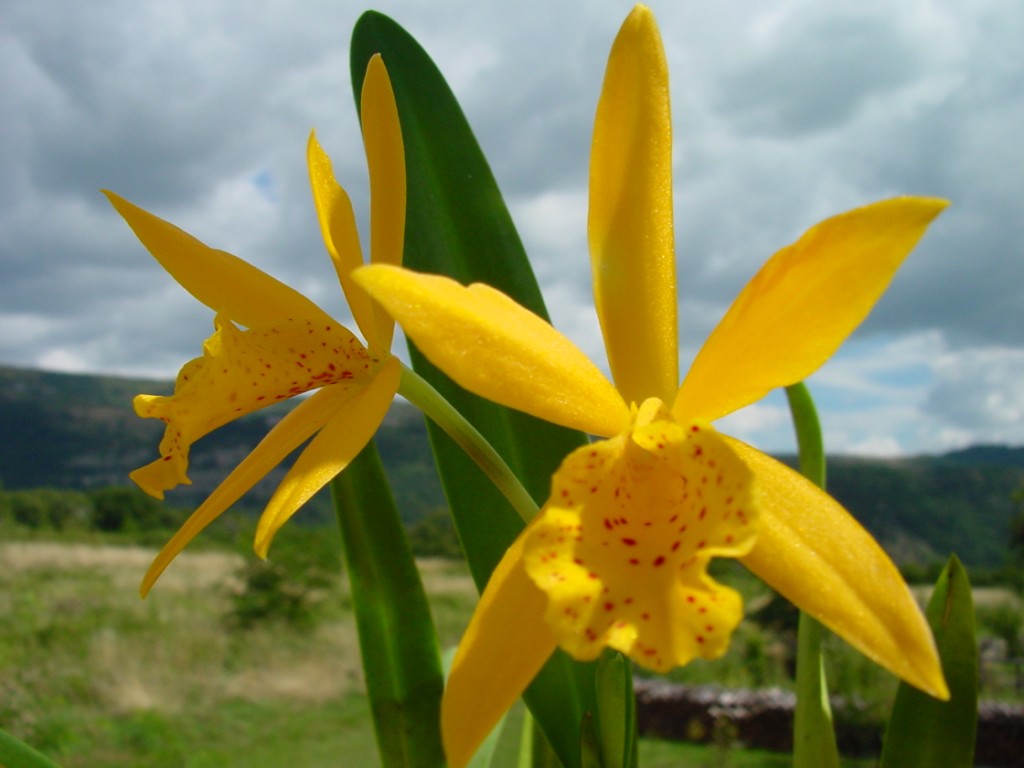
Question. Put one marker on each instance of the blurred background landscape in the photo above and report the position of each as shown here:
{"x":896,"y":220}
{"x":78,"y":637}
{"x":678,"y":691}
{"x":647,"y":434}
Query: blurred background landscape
{"x":233,"y":661}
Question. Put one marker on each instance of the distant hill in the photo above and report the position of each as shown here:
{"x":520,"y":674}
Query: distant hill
{"x":79,"y":432}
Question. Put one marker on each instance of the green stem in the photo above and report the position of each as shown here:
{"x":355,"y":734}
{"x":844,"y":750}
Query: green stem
{"x":814,"y":740}
{"x":420,"y":393}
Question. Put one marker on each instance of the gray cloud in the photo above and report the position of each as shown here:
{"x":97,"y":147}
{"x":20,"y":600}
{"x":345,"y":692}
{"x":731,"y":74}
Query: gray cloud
{"x":200,"y":111}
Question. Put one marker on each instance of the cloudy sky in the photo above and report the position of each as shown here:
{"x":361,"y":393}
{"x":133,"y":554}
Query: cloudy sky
{"x":784,"y":112}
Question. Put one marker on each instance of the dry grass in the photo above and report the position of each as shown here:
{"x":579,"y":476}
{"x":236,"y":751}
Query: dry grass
{"x":74,"y":619}
{"x":124,"y":565}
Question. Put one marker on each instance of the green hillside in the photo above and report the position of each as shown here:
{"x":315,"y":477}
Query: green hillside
{"x":79,"y":432}
{"x":74,"y":431}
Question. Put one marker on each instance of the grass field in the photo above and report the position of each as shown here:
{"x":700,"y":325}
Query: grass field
{"x":97,"y":678}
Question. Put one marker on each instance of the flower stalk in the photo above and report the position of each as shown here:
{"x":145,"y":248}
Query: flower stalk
{"x":814,"y":740}
{"x":432,"y":403}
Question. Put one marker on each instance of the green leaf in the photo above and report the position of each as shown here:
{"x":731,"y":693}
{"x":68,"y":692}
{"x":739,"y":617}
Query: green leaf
{"x":457,"y":224}
{"x":590,"y":743}
{"x":924,"y":732}
{"x":616,"y":731}
{"x":17,"y":754}
{"x":814,"y":738}
{"x":401,"y":662}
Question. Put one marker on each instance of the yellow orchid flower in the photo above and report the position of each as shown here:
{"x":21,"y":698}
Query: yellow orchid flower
{"x":617,"y":556}
{"x":272,"y":343}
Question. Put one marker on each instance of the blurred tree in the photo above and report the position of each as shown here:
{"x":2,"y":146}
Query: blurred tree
{"x":128,"y":509}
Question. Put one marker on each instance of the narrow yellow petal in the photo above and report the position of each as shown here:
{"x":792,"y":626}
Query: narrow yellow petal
{"x":295,"y":428}
{"x":385,"y":156}
{"x":503,"y":649}
{"x":802,"y":305}
{"x":338,"y":443}
{"x":630,"y":226}
{"x":819,"y":558}
{"x":241,"y":372}
{"x":622,"y":546}
{"x":497,"y":349}
{"x":338,"y":228}
{"x":223,"y":282}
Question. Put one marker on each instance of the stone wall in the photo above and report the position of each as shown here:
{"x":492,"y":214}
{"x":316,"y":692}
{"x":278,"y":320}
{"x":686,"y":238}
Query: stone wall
{"x":763,"y":719}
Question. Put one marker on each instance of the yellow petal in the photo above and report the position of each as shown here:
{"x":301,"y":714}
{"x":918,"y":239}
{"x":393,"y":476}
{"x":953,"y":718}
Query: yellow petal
{"x":338,"y":443}
{"x":241,"y":372}
{"x":802,"y":305}
{"x":630,"y":225}
{"x":503,"y":649}
{"x":819,"y":558}
{"x":338,"y":228}
{"x":219,"y":280}
{"x":622,"y":547}
{"x":497,"y":349}
{"x":385,"y":156}
{"x":295,"y":428}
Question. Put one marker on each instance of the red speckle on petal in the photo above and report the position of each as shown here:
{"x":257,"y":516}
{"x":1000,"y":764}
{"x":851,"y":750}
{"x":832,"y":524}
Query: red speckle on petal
{"x":659,"y":560}
{"x":629,"y":542}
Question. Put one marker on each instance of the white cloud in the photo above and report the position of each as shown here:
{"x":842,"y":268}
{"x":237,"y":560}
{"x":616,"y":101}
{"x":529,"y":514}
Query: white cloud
{"x":979,"y":394}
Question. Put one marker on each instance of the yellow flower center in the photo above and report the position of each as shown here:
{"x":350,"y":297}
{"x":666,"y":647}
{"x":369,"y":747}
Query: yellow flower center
{"x":622,"y":546}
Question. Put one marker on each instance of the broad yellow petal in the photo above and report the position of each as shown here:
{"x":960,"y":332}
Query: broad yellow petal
{"x":497,"y":349}
{"x":288,"y":434}
{"x":802,"y":305}
{"x":503,"y":649}
{"x":622,"y":546}
{"x":338,"y":228}
{"x":630,"y":225}
{"x":385,"y":156}
{"x":819,"y":558}
{"x":241,"y":372}
{"x":338,"y":443}
{"x":219,"y":280}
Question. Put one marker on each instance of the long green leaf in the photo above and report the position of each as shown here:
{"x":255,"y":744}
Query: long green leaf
{"x":616,"y":730}
{"x":17,"y":754}
{"x":924,"y":732}
{"x":458,"y":225}
{"x":814,"y":738}
{"x":401,"y":662}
